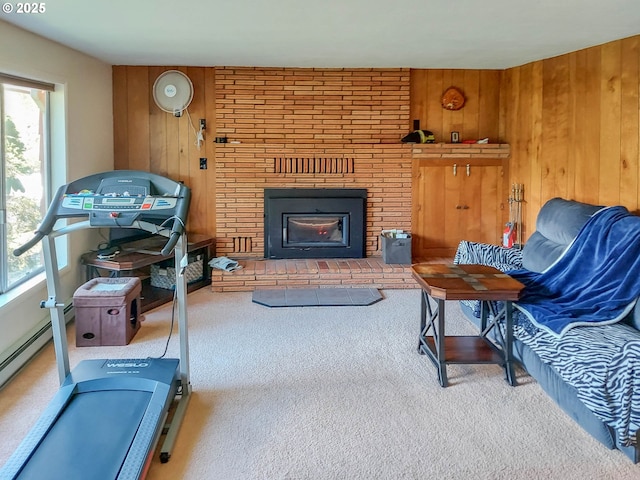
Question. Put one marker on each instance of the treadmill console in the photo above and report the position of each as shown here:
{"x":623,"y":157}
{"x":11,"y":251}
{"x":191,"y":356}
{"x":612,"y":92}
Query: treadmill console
{"x":121,"y":199}
{"x":118,"y":201}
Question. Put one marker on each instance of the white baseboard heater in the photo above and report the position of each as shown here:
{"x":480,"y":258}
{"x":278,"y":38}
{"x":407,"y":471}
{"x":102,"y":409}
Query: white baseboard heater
{"x":28,"y":347}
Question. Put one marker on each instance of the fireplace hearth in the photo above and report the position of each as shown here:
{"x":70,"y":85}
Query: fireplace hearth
{"x":314,"y":222}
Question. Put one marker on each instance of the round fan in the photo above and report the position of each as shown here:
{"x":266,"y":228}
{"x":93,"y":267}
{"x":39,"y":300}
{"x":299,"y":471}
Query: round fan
{"x":173,"y":92}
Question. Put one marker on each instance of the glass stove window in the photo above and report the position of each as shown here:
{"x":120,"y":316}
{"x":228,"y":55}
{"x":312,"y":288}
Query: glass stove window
{"x":313,"y":229}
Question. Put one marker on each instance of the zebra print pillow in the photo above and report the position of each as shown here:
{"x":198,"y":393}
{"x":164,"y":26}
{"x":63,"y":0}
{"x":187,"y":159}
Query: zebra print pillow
{"x":485,"y":254}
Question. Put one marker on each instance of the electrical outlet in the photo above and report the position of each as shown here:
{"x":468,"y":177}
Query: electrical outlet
{"x":203,"y":124}
{"x":203,"y":164}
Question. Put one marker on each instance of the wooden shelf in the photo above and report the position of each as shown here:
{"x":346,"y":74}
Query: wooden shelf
{"x":135,"y":260}
{"x":466,"y":350}
{"x":153,"y":297}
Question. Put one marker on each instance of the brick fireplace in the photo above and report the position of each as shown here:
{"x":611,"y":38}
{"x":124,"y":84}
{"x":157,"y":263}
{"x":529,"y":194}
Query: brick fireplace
{"x":314,"y":222}
{"x":309,"y":128}
{"x":245,"y":171}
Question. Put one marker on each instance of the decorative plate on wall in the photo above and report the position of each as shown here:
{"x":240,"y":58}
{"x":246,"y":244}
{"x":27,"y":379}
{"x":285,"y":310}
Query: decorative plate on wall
{"x":452,"y":99}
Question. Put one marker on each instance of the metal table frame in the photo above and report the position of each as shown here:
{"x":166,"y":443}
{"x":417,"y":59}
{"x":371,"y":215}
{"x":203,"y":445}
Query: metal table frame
{"x":432,"y":338}
{"x":495,"y":290}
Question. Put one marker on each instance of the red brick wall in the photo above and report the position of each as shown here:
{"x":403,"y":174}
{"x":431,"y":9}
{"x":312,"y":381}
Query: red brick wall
{"x":244,"y":171}
{"x":312,"y":105}
{"x":349,"y":121}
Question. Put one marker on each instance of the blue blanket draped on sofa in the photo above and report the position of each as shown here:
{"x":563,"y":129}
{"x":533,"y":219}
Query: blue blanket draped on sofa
{"x":595,"y":282}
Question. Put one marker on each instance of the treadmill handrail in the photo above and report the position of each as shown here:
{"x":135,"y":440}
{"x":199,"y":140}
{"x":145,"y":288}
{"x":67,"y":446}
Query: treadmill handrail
{"x":30,"y":244}
{"x":44,"y":228}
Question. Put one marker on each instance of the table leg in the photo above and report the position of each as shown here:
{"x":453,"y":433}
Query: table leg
{"x":440,"y":351}
{"x":423,"y":319}
{"x":427,"y":318}
{"x":508,"y":345}
{"x":484,"y":308}
{"x":433,"y":319}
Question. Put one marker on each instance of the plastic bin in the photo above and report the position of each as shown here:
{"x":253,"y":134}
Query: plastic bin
{"x":396,"y":250}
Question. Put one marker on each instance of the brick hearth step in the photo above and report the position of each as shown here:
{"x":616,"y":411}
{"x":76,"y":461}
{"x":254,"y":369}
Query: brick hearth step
{"x":357,"y":272}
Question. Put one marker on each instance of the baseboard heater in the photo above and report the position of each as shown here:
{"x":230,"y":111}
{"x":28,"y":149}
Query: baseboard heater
{"x":29,"y":348}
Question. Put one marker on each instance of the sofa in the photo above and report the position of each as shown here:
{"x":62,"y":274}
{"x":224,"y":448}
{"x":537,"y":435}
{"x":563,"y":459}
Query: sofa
{"x":565,"y":371}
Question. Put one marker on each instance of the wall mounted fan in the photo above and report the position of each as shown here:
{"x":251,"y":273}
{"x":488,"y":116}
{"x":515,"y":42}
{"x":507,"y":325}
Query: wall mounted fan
{"x":173,"y":92}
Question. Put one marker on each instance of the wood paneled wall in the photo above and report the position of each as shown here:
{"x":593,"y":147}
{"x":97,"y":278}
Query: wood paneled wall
{"x":573,"y":125}
{"x":478,"y":119}
{"x":146,"y":138}
{"x":572,"y":121}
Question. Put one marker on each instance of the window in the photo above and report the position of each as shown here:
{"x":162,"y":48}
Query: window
{"x":24,"y":175}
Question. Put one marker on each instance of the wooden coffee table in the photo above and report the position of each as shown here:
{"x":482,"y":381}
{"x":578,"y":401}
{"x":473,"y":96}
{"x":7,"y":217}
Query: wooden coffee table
{"x":442,"y":282}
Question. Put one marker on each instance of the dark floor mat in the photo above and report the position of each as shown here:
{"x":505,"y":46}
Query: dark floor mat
{"x":317,"y":297}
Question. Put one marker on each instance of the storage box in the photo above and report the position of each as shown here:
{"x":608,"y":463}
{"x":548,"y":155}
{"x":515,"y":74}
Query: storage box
{"x":163,"y":274}
{"x":396,"y":249}
{"x":107,"y":311}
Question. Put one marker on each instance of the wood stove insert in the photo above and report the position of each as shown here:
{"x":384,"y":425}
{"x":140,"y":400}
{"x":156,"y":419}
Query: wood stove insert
{"x":314,"y":222}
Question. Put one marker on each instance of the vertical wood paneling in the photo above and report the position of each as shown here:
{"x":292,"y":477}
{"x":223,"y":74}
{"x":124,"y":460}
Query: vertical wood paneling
{"x":610,"y":108}
{"x":120,"y":116}
{"x":471,"y":111}
{"x":550,"y":127}
{"x":563,"y":113}
{"x":454,"y":120}
{"x":478,"y":119}
{"x":197,"y":178}
{"x":173,"y":145}
{"x":577,"y":117}
{"x":433,"y":120}
{"x":572,"y":121}
{"x":586,"y":139}
{"x":488,"y":102}
{"x":210,"y":147}
{"x":185,"y":140}
{"x":630,"y":126}
{"x":534,"y":147}
{"x":158,"y":154}
{"x":417,"y":88}
{"x":147,"y":138}
{"x":138,"y":118}
{"x":573,"y":99}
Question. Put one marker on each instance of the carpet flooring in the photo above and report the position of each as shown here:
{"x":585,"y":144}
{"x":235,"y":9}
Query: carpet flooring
{"x":335,"y":394}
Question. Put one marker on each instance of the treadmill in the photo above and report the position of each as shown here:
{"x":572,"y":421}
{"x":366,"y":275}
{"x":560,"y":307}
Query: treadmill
{"x":107,"y":418}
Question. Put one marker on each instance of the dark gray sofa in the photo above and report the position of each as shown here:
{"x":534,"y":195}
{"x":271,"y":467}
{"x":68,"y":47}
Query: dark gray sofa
{"x":557,"y":224}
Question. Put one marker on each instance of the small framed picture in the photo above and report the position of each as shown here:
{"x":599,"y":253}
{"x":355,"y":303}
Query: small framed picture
{"x":455,"y":137}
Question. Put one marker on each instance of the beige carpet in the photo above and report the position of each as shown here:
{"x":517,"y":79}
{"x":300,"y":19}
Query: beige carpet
{"x":335,"y":393}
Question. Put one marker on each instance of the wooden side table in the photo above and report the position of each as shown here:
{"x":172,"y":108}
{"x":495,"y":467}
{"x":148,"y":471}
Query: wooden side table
{"x":466,"y":282}
{"x":135,"y":256}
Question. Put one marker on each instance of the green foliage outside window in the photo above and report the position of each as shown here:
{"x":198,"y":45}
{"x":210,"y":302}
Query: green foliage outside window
{"x":23,"y":212}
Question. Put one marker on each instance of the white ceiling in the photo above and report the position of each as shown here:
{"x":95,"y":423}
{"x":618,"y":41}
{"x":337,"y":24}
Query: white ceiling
{"x":492,"y":34}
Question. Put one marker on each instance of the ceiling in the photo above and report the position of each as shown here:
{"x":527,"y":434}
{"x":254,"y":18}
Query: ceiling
{"x":493,"y":34}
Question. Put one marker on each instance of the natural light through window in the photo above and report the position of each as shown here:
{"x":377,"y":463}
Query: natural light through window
{"x":24,"y":160}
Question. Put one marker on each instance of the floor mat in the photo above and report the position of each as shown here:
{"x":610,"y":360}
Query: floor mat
{"x":317,"y":297}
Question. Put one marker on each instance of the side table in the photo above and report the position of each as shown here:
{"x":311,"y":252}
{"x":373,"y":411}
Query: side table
{"x":442,"y":282}
{"x":137,"y":256}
